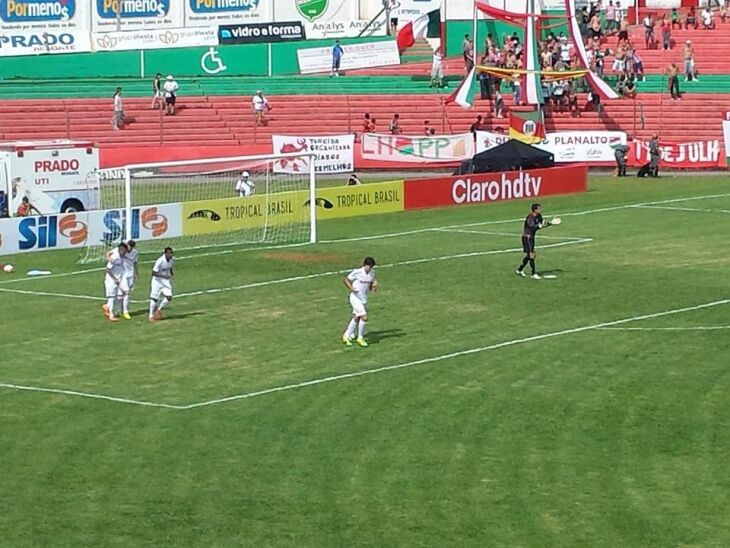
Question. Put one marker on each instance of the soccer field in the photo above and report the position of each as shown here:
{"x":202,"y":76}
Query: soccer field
{"x":489,"y":410}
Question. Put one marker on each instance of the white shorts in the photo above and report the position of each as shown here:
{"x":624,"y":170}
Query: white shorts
{"x":111,"y":288}
{"x":358,"y":307}
{"x":127,"y":284}
{"x":160,"y":286}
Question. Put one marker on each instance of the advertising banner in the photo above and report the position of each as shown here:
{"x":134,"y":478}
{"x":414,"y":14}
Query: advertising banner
{"x":335,"y":153}
{"x":697,"y":154}
{"x":365,"y":55}
{"x":401,"y":148}
{"x":352,"y":201}
{"x":153,"y":39}
{"x":484,"y":188}
{"x":567,"y":146}
{"x":726,"y":135}
{"x":115,"y":15}
{"x":325,"y":19}
{"x":262,"y":33}
{"x":211,"y":13}
{"x":63,"y":231}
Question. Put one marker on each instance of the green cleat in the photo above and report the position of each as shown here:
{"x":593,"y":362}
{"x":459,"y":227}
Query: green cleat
{"x":361,"y":342}
{"x":346,"y":341}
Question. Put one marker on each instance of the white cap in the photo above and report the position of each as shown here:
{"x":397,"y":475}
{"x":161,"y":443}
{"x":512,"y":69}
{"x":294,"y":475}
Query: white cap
{"x":244,"y":174}
{"x":688,"y":42}
{"x":169,"y":77}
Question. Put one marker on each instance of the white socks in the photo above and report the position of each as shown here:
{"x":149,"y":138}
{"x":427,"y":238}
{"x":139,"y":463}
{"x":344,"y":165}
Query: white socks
{"x":350,"y":331}
{"x":153,"y":305}
{"x":125,"y":303}
{"x":110,"y":306}
{"x":164,"y":303}
{"x":361,"y":329}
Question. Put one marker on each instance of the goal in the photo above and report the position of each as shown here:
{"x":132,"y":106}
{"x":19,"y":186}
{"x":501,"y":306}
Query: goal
{"x":231,"y":201}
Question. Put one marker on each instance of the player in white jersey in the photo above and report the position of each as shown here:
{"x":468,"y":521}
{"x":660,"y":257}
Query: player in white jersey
{"x":113,"y":274}
{"x":130,"y":276}
{"x":162,"y":274}
{"x":359,"y":282}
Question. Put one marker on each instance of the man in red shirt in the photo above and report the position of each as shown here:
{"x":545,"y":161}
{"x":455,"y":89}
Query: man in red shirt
{"x":25,"y":208}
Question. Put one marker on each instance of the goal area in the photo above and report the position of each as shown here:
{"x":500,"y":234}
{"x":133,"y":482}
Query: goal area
{"x":208,"y":203}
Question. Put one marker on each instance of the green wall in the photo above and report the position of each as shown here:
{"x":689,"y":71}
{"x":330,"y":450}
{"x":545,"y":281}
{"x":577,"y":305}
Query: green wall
{"x":240,"y":60}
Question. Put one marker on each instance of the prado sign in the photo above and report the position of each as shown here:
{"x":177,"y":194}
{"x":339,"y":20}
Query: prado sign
{"x":481,"y":188}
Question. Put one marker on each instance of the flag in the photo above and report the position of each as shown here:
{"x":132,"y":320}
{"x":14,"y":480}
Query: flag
{"x":527,"y":126}
{"x":426,"y":26}
{"x":462,"y":95}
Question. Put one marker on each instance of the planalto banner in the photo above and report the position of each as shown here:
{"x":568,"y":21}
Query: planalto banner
{"x":481,"y":188}
{"x":696,"y":154}
{"x":402,"y":148}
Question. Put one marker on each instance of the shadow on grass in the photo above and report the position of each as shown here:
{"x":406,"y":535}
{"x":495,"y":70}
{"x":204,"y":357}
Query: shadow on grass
{"x":374,"y":337}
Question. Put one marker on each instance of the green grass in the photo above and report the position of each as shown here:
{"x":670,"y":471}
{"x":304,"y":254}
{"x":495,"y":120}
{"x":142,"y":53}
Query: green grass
{"x":593,"y":438}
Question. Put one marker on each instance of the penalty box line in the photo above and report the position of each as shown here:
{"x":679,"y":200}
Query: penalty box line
{"x":345,"y":376}
{"x":386,"y":235}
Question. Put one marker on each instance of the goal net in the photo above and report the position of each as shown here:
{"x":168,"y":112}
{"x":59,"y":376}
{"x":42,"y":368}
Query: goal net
{"x":233,"y":201}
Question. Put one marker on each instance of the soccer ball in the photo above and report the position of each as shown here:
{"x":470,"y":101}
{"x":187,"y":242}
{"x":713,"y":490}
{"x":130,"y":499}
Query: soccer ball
{"x":8,"y":268}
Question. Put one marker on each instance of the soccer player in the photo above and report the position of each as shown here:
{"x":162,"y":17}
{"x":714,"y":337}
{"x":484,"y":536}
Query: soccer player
{"x":130,"y":276}
{"x":162,"y":274}
{"x":245,"y":185}
{"x":113,"y":275}
{"x":359,"y":282}
{"x":533,"y":223}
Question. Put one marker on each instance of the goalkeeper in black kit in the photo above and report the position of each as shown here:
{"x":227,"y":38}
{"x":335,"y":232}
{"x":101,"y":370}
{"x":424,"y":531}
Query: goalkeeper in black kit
{"x":533,"y":223}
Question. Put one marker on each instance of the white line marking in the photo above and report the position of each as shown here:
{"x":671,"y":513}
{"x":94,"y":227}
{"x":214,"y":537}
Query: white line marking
{"x":389,"y":235}
{"x":460,"y":353}
{"x":50,"y":294}
{"x":76,"y":393}
{"x":669,"y":208}
{"x":362,"y":373}
{"x":512,"y":235}
{"x":695,"y":328}
{"x":389,"y":265}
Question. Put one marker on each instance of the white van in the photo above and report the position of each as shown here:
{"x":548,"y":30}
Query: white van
{"x":56,"y":176}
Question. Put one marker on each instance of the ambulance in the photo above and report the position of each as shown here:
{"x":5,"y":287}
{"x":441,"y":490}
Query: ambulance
{"x":56,"y":176}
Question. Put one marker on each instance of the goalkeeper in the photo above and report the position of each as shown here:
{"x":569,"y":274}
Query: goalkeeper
{"x":533,"y":223}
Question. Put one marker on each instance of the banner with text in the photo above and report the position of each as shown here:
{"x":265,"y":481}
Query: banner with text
{"x":262,"y":33}
{"x":726,"y":135}
{"x":567,"y":146}
{"x":211,"y":13}
{"x":38,"y":233}
{"x":116,"y":15}
{"x":696,"y":154}
{"x":481,"y":188}
{"x":401,"y":148}
{"x":153,"y":39}
{"x":355,"y":56}
{"x":335,"y":153}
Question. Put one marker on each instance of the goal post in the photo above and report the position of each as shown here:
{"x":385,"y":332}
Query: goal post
{"x":237,"y":200}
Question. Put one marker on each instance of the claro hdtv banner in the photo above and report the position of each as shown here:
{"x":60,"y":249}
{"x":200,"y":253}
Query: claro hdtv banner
{"x":481,"y":188}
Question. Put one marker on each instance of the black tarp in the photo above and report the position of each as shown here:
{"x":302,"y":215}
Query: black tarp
{"x":509,"y":156}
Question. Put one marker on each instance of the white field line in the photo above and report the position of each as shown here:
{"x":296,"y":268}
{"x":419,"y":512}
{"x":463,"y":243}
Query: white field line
{"x":512,"y":235}
{"x":451,"y":355}
{"x":388,"y":265}
{"x":670,"y":208}
{"x":386,"y":235}
{"x":59,"y":295}
{"x":688,"y":328}
{"x":334,"y":378}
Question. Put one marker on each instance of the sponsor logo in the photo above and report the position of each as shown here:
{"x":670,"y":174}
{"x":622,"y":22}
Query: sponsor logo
{"x":205,"y":214}
{"x":465,"y":191}
{"x":16,"y":11}
{"x":312,"y":9}
{"x":149,"y":219}
{"x":320,"y":202}
{"x":45,"y":41}
{"x":43,"y":232}
{"x":293,"y":164}
{"x":126,"y":9}
{"x":212,"y":6}
{"x":154,"y":221}
{"x":261,"y":33}
{"x":66,"y":167}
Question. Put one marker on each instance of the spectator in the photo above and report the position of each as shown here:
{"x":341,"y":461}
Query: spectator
{"x":648,"y":31}
{"x":691,"y":20}
{"x":437,"y":70}
{"x":599,"y":63}
{"x":630,"y":87}
{"x":620,"y":14}
{"x":611,"y":16}
{"x":594,"y":102}
{"x":723,"y":11}
{"x":498,"y":105}
{"x":565,"y":51}
{"x":620,"y":153}
{"x":707,"y":22}
{"x":427,"y":129}
{"x":582,"y":17}
{"x":157,"y":92}
{"x":673,"y":81}
{"x":690,"y":72}
{"x":26,"y":208}
{"x":517,"y":89}
{"x":619,"y":59}
{"x":675,"y":19}
{"x":170,"y":88}
{"x":368,"y":124}
{"x":485,"y":84}
{"x":666,"y":28}
{"x":655,"y":155}
{"x":118,"y":120}
{"x":558,"y":95}
{"x":489,"y":42}
{"x":245,"y":186}
{"x":395,"y":128}
{"x":572,"y":97}
{"x":623,"y":33}
{"x":353,"y":180}
{"x":476,"y":126}
{"x":260,"y":104}
{"x":637,"y":67}
{"x":394,"y":4}
{"x":468,"y":54}
{"x":337,"y":53}
{"x":594,"y":30}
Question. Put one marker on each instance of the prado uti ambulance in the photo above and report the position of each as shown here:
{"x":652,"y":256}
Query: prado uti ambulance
{"x":55,"y":176}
